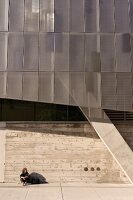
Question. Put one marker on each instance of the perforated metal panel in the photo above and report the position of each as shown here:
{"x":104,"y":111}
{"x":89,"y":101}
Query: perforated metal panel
{"x":109,"y":90}
{"x":68,"y":52}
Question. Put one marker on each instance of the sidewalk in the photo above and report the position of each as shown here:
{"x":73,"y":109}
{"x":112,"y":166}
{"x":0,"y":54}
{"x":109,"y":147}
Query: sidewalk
{"x":66,"y":192}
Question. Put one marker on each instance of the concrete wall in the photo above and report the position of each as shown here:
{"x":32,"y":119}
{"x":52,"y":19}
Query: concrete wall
{"x":60,"y":152}
{"x":2,"y":155}
{"x":2,"y":150}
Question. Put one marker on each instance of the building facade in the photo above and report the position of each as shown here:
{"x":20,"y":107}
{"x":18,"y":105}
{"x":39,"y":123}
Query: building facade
{"x":61,"y":51}
{"x":71,"y":52}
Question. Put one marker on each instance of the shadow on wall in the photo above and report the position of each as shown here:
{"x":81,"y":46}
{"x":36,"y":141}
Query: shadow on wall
{"x":77,"y":129}
{"x":126,"y":130}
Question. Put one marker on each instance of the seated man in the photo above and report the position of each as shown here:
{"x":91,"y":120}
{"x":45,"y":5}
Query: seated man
{"x":24,"y":176}
{"x":33,"y":178}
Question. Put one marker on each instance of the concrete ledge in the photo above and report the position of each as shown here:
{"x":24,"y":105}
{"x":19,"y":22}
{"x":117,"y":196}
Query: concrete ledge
{"x":100,"y":185}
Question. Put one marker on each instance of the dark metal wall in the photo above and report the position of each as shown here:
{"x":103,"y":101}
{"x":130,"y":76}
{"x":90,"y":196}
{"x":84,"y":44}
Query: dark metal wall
{"x":67,"y":52}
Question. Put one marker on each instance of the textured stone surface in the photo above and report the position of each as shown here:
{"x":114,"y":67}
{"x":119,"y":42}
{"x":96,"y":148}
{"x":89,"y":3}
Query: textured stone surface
{"x":60,"y":152}
{"x":2,"y":154}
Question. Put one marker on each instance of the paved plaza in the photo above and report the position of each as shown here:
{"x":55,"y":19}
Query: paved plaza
{"x":66,"y":192}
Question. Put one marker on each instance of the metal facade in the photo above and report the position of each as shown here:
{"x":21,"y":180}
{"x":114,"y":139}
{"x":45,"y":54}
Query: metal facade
{"x":67,"y":52}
